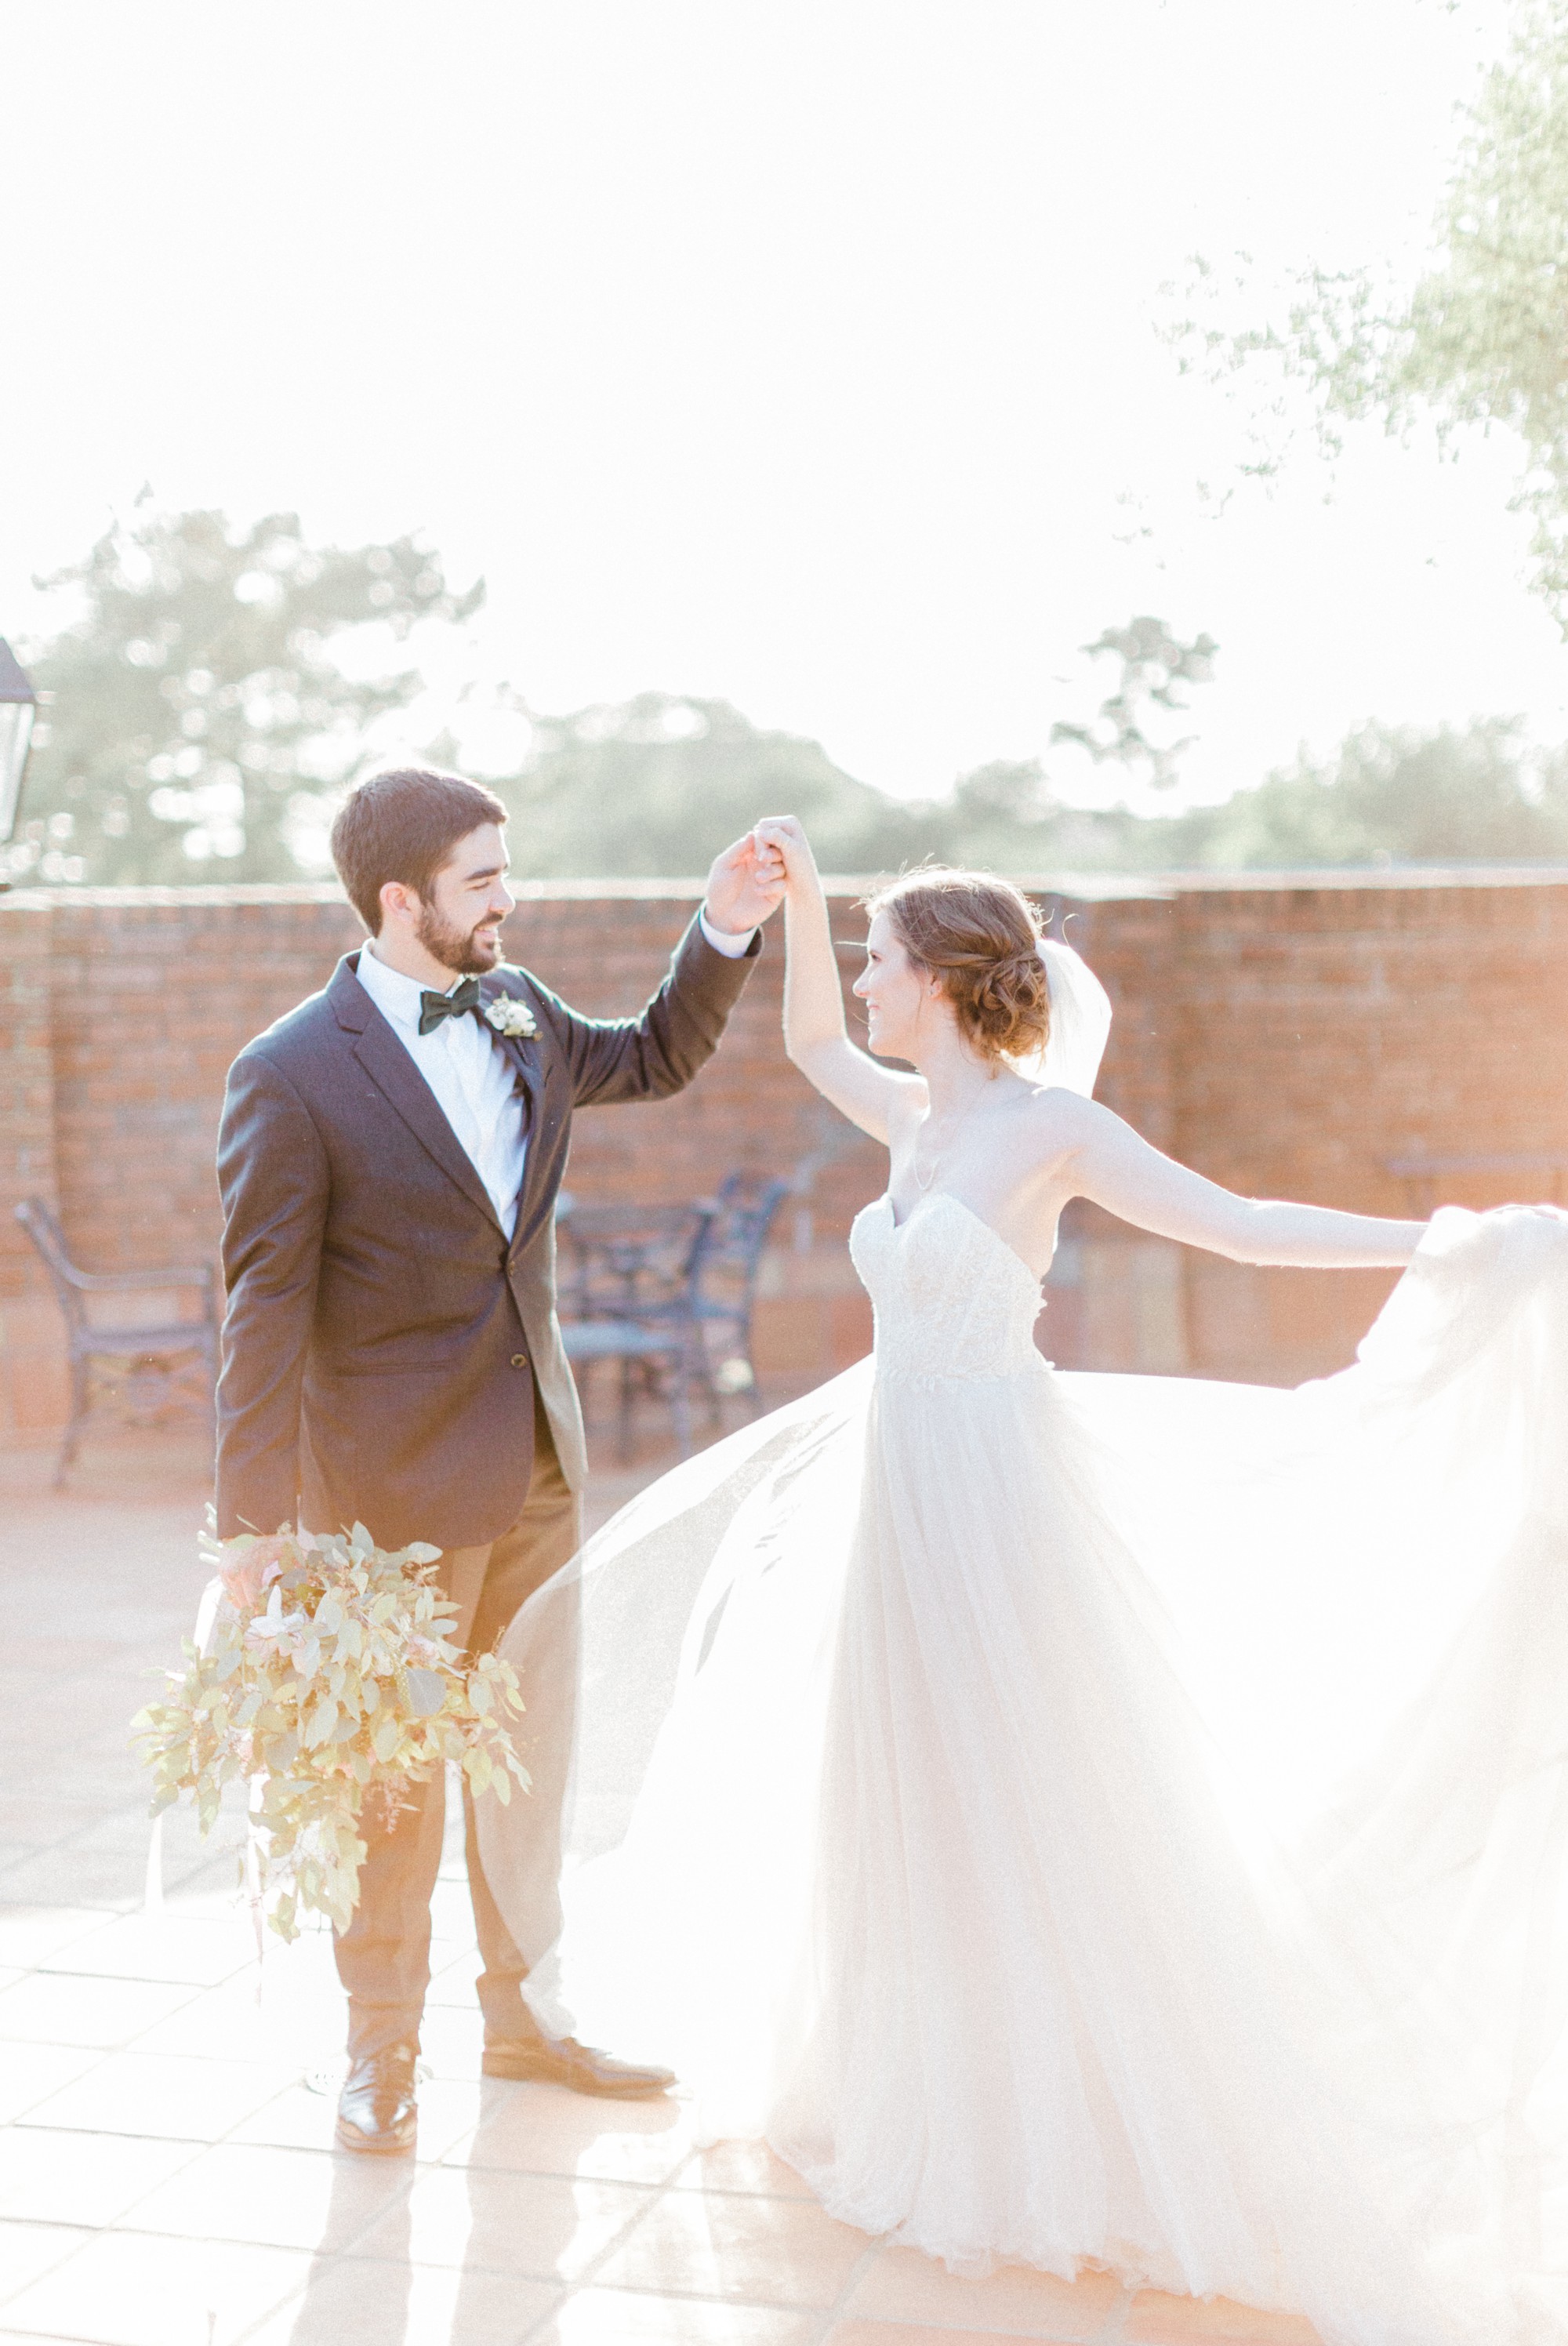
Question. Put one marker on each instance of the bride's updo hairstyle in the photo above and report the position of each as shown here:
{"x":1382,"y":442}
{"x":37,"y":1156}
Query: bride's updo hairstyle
{"x":981,"y":937}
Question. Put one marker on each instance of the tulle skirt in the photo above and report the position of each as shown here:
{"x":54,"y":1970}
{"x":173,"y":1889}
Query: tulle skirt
{"x":1099,"y":1819}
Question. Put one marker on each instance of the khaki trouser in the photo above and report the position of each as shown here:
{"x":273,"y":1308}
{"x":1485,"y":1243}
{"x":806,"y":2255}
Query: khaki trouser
{"x":384,"y":1956}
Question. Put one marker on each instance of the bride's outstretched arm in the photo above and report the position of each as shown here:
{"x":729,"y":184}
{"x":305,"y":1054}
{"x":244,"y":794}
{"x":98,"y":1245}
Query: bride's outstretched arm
{"x":815,"y":1035}
{"x":1111,"y":1165}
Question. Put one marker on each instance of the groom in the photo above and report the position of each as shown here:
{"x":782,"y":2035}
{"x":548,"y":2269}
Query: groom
{"x":389,"y":1159}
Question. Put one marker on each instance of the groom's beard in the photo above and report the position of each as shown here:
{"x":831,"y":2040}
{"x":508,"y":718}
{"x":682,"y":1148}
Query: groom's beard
{"x":459,"y":950}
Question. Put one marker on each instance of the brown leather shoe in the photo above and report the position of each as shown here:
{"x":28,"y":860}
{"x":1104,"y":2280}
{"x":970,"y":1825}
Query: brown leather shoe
{"x":377,"y":2110}
{"x":561,"y":2061}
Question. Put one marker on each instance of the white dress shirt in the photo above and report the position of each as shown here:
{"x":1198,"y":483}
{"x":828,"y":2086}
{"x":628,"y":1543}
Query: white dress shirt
{"x":468,"y":1068}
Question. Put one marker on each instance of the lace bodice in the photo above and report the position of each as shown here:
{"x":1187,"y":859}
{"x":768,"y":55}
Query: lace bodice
{"x":951,"y":1299}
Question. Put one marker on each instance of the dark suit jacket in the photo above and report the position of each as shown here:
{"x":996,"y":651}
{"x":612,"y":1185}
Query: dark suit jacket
{"x":381,"y":1329}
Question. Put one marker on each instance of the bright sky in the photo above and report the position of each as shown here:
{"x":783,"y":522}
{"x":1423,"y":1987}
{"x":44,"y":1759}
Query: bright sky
{"x":800,"y":353}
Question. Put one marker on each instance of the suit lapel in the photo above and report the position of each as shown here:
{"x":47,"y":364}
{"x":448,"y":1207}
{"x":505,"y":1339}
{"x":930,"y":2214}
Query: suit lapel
{"x":524,"y":1052}
{"x":534,"y":1072}
{"x":399,"y":1081}
{"x":521,"y":1050}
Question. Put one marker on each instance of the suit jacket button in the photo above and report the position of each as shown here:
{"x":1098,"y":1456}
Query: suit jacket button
{"x":519,"y":1359}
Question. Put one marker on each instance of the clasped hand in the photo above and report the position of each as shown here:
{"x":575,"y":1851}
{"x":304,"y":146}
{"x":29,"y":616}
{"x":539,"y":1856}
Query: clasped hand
{"x":747,"y":884}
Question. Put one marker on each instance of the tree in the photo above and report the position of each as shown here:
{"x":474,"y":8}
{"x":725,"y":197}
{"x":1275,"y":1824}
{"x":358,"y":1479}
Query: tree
{"x":1154,"y":663}
{"x":203,"y":719}
{"x":202,"y":725}
{"x":1484,"y":337}
{"x":1393,"y":794}
{"x":1389,"y":794}
{"x":651,"y":786}
{"x":655,"y":785}
{"x":201,"y":722}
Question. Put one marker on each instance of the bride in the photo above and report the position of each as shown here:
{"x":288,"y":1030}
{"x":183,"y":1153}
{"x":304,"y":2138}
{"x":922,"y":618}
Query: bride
{"x":1096,"y":1821}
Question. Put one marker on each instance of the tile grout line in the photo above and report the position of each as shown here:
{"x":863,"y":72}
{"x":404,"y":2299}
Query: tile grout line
{"x":54,"y":2338}
{"x":590,"y":2271}
{"x":840,"y":2304}
{"x":1113,"y":2331}
{"x":1115,"y":2328}
{"x":103,"y":2052}
{"x":344,"y":2252}
{"x":325,"y":2261}
{"x":50,"y":2269}
{"x":224,"y":2140}
{"x":115,"y":2223}
{"x":588,"y":2275}
{"x":199,"y":2148}
{"x":10,"y":2299}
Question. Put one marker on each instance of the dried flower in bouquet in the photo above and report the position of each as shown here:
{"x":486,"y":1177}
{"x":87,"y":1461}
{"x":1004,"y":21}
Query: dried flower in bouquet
{"x":327,"y":1682}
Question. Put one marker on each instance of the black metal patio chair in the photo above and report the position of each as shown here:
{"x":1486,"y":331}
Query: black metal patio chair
{"x":625,"y":1272}
{"x":721,"y":1288}
{"x":148,"y":1357}
{"x":668,"y":1293}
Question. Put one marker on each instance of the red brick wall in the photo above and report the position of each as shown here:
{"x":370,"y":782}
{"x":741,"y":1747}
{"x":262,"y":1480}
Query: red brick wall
{"x":1286,"y":1039}
{"x":32,"y":1380}
{"x":1321,"y":1031}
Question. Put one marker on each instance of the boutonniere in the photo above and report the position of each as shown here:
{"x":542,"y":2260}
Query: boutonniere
{"x":511,"y":1017}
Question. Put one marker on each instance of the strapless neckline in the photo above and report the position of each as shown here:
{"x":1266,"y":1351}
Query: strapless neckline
{"x":951,"y":1198}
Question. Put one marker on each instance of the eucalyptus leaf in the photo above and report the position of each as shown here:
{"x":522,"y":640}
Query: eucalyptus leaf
{"x":427,"y":1692}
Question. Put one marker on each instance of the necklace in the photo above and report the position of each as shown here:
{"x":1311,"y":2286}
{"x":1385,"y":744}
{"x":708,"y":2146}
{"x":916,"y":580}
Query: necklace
{"x":914,"y":1161}
{"x":953,"y":1116}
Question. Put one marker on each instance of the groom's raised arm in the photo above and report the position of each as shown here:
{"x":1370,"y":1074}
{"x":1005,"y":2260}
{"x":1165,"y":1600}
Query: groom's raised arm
{"x":678,"y":1032}
{"x":273,"y":1175}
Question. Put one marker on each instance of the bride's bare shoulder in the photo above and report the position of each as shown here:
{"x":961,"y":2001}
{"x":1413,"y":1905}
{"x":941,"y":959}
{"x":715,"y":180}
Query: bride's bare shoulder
{"x":1059,"y":1117}
{"x":1051,"y":1129}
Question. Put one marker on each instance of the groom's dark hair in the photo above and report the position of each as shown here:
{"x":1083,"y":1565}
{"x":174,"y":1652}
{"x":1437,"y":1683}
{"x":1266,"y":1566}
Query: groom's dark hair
{"x":404,"y":825}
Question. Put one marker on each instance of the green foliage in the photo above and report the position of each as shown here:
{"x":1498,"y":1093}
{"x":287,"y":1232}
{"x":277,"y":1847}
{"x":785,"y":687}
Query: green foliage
{"x":201,"y":726}
{"x":1390,"y":794}
{"x":1487,"y":333}
{"x":199,"y":722}
{"x":651,"y":789}
{"x":329,"y":1681}
{"x":656,"y":786}
{"x":1395,"y":794}
{"x":1155,"y":663}
{"x":1484,"y":337}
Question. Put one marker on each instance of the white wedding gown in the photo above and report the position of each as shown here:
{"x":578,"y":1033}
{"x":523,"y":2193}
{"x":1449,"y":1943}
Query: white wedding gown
{"x":1100,"y":1820}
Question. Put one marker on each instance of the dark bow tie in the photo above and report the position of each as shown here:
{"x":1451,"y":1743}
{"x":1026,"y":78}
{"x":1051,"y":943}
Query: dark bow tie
{"x":435,"y":1007}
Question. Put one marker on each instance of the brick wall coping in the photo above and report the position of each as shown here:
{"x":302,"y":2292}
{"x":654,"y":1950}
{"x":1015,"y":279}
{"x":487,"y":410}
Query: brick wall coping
{"x":1085,"y":887}
{"x":1328,"y":877}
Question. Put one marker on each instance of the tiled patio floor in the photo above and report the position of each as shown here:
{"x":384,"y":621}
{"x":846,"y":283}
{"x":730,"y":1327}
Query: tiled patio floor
{"x":167,"y":2178}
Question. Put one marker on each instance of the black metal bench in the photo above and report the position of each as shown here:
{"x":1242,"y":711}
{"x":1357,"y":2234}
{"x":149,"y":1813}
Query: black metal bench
{"x":148,"y":1357}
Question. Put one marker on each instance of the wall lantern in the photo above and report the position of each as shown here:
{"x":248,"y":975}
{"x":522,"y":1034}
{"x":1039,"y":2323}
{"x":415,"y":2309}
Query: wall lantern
{"x":18,"y":706}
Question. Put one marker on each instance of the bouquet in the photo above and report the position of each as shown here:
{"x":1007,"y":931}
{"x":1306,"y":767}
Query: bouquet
{"x":328,"y":1682}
